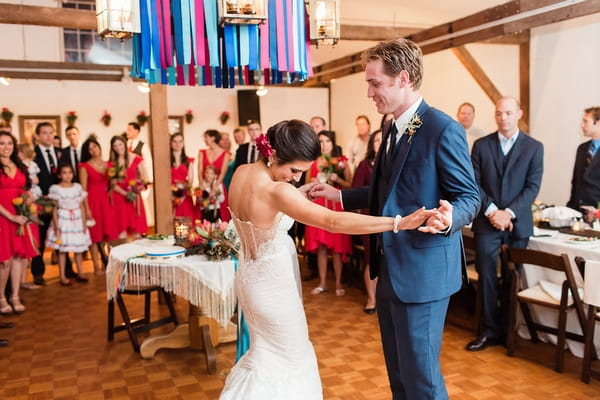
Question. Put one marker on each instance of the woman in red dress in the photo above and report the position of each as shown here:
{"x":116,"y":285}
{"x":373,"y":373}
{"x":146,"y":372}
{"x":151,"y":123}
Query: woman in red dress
{"x":362,"y":177}
{"x":94,"y":180}
{"x":127,"y":180}
{"x":19,"y":237}
{"x":182,"y":177}
{"x":319,"y":240}
{"x":217,"y":157}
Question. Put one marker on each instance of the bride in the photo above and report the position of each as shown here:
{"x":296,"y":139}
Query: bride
{"x":281,"y":362}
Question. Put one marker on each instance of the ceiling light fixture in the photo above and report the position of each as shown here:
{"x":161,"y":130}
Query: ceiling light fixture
{"x":144,"y":87}
{"x":118,"y":18}
{"x":324,"y":17}
{"x":261,"y":91}
{"x":4,"y":81}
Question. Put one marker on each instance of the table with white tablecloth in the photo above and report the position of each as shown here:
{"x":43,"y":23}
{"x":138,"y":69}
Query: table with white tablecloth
{"x":554,"y":242}
{"x":207,"y":285}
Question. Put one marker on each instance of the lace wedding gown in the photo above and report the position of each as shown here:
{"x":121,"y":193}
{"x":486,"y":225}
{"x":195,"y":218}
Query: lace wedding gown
{"x":281,"y":362}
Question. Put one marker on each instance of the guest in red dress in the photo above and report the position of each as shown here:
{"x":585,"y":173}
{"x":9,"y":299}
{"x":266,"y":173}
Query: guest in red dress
{"x":362,"y":177}
{"x":319,"y":240}
{"x":217,"y":157}
{"x":94,"y":180}
{"x":126,"y":173}
{"x":182,"y":177}
{"x":19,"y":237}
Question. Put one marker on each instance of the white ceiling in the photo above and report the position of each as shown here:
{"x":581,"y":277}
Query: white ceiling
{"x":419,"y":14}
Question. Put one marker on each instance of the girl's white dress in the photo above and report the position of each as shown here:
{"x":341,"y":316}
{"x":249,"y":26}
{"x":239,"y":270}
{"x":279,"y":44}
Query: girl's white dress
{"x":74,"y":237}
{"x":280,"y":363}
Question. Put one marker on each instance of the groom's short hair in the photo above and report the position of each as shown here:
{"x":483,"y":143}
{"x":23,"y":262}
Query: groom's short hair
{"x":397,"y":55}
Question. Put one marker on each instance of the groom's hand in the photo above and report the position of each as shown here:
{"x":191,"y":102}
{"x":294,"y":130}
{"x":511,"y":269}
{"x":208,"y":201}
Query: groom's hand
{"x":440,"y":221}
{"x":304,"y":189}
{"x":324,"y":190}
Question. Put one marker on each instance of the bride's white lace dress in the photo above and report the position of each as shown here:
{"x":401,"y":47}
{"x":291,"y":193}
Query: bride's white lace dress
{"x":281,"y":362}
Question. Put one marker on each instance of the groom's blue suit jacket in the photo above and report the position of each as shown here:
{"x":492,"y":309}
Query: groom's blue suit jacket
{"x":435,"y":165}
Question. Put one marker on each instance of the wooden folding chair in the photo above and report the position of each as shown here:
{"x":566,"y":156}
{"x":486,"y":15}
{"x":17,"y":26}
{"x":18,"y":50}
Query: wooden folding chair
{"x":519,"y":295}
{"x":589,"y":351}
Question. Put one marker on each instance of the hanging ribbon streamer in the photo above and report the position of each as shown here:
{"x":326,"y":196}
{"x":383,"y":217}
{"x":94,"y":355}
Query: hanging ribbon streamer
{"x":243,"y":335}
{"x":182,"y":44}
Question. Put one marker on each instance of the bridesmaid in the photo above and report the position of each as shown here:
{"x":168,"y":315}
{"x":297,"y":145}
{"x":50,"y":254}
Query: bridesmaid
{"x":182,"y":177}
{"x":94,"y":181}
{"x":127,"y":176}
{"x":318,"y":239}
{"x":217,"y":157}
{"x":19,"y":238}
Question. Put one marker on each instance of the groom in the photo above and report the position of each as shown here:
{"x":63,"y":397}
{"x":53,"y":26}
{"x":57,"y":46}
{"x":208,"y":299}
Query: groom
{"x":423,"y":161}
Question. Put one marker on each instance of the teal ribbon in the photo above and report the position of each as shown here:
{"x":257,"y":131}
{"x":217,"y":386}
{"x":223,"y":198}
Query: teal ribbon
{"x":243,"y":335}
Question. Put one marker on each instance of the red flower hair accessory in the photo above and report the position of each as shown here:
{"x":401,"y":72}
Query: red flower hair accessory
{"x":263,"y":146}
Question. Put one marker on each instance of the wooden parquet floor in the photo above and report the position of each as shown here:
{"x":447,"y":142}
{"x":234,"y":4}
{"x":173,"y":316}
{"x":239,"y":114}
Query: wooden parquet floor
{"x":58,"y":350}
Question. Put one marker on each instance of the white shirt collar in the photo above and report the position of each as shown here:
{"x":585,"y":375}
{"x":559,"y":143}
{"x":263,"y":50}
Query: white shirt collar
{"x":405,"y":117}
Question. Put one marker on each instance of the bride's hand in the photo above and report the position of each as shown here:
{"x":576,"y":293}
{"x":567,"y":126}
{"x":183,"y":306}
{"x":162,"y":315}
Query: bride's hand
{"x":441,"y":220}
{"x":414,"y":220}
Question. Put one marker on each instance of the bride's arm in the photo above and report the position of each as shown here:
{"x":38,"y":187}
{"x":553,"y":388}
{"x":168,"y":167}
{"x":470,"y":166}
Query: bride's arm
{"x":289,"y":200}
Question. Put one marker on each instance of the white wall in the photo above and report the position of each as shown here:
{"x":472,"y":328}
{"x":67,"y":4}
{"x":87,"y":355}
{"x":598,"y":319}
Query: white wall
{"x":565,"y":79}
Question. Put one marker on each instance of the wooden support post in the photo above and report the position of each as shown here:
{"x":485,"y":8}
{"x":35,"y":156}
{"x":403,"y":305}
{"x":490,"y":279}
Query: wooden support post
{"x":469,"y":62}
{"x":524,"y":86}
{"x":159,"y":144}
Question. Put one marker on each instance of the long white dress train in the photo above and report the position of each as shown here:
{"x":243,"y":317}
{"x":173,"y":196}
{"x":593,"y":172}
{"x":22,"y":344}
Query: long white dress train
{"x":281,"y":362}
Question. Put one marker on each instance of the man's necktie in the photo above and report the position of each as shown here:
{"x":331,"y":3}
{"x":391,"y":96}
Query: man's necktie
{"x":392,"y":143}
{"x":75,"y":161}
{"x":50,"y":161}
{"x":252,"y":154}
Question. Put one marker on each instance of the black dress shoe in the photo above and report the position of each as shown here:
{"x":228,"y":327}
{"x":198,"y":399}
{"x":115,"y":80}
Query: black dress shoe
{"x":370,"y":311}
{"x":482,"y":342}
{"x":3,"y":342}
{"x":6,"y":325}
{"x":38,"y":280}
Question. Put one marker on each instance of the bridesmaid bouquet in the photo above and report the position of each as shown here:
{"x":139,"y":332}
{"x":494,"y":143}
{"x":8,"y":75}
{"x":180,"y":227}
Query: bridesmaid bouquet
{"x":134,"y":188}
{"x":45,"y":205}
{"x":116,"y":173}
{"x":178,"y":192}
{"x":25,"y":206}
{"x":331,"y":165}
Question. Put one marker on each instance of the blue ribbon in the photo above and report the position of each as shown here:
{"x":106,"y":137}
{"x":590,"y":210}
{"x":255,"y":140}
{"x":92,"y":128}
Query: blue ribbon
{"x":253,"y":47}
{"x":230,"y":41}
{"x":243,"y":335}
{"x":210,"y":18}
{"x":272,"y":34}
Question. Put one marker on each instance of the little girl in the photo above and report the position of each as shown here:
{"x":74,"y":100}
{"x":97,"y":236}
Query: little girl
{"x":68,"y":229}
{"x":212,"y":195}
{"x":27,"y":154}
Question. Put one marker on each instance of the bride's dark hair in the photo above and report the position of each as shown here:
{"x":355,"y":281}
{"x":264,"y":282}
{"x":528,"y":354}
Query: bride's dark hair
{"x":294,"y":140}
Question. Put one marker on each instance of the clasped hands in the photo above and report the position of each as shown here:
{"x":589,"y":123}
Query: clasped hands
{"x":431,"y":221}
{"x":501,"y":220}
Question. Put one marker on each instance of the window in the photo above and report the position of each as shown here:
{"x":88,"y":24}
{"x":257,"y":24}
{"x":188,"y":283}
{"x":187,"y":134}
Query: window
{"x":83,"y":45}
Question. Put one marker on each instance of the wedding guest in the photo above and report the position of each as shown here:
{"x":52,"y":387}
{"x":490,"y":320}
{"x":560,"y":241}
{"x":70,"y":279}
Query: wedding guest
{"x":127,"y":182}
{"x":47,"y":158}
{"x":585,"y":184}
{"x":94,"y":180}
{"x":72,"y":153}
{"x":362,"y":177}
{"x":247,"y":153}
{"x":358,"y":144}
{"x":225,"y":144}
{"x":57,"y":141}
{"x":508,"y":167}
{"x":465,"y":116}
{"x":240,"y":136}
{"x":68,"y":231}
{"x":182,"y":177}
{"x":213,"y":195}
{"x":217,"y":157}
{"x":327,"y":168}
{"x":19,"y":236}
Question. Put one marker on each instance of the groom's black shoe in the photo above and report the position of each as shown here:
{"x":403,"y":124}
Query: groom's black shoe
{"x":482,"y":342}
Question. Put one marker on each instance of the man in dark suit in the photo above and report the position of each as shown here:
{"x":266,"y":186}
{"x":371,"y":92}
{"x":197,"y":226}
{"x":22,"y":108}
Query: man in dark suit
{"x":72,"y":153}
{"x":47,"y":158}
{"x":247,"y":152}
{"x":508,"y":167}
{"x":423,"y":161}
{"x":585,"y":185}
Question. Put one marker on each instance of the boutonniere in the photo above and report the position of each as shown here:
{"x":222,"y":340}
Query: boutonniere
{"x":412,"y":126}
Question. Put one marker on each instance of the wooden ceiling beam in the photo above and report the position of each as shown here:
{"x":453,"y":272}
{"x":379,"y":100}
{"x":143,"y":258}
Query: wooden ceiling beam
{"x":47,"y":16}
{"x":432,"y":39}
{"x":375,"y":33}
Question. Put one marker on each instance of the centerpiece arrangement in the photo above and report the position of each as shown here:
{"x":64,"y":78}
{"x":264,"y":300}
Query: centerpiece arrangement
{"x":216,"y":240}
